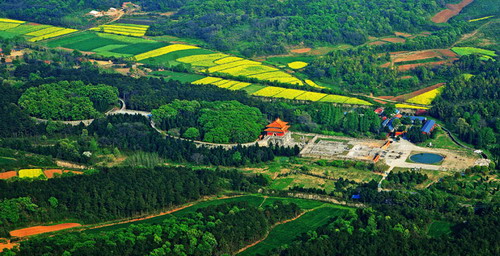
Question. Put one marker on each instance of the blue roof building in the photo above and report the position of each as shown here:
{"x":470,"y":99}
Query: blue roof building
{"x":428,"y":126}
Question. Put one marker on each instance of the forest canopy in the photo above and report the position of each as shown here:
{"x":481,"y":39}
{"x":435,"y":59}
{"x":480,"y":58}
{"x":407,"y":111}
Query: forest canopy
{"x":218,"y":121}
{"x":68,"y":100}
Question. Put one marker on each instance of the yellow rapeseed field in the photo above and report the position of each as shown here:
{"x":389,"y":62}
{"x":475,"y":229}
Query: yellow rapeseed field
{"x":239,"y":86}
{"x":207,"y":80}
{"x":8,"y":25}
{"x":44,"y":31}
{"x":427,"y":97}
{"x":312,"y":96}
{"x":409,"y":106}
{"x":125,"y":29}
{"x":289,"y":94}
{"x":313,"y":84}
{"x":227,"y":60}
{"x":11,"y":21}
{"x":269,"y":91}
{"x":30,"y":173}
{"x":297,"y":64}
{"x":53,"y":34}
{"x":164,"y":50}
{"x":202,"y":60}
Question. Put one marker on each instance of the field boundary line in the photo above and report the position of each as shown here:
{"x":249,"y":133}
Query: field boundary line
{"x":273,"y":226}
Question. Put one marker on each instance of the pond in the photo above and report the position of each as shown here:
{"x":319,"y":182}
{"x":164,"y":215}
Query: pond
{"x":426,"y":158}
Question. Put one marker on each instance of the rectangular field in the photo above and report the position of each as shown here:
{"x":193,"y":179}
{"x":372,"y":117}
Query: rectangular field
{"x":285,"y":233}
{"x":30,"y":173}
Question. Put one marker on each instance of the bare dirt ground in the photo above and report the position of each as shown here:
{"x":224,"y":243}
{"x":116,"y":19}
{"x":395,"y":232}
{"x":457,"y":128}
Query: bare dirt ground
{"x":69,"y":164}
{"x":411,"y":56}
{"x":394,"y":39}
{"x":453,"y":9}
{"x":402,"y":34}
{"x":50,"y":173}
{"x":7,"y":245}
{"x":7,"y":175}
{"x":301,"y":50}
{"x":377,"y":43}
{"x":412,"y":66}
{"x":42,"y":229}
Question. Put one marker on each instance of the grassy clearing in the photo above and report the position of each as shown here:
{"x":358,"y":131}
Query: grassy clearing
{"x":439,"y":228}
{"x":441,"y":141}
{"x":485,"y":54}
{"x":285,"y":233}
{"x":288,"y":59}
{"x":281,"y":184}
{"x":182,"y":77}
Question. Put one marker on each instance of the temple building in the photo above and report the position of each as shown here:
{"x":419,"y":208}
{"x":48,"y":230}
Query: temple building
{"x":277,"y":128}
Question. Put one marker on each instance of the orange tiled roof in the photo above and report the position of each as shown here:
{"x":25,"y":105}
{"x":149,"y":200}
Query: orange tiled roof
{"x":274,"y":130}
{"x":278,"y":123}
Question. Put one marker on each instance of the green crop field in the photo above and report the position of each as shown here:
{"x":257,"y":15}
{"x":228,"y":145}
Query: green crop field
{"x":182,"y":77}
{"x":253,"y":88}
{"x":138,"y":48}
{"x":286,"y":233}
{"x":170,"y":58}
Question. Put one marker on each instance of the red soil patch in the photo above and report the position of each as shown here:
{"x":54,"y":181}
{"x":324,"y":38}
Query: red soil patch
{"x":412,"y":66}
{"x":380,"y":101}
{"x":8,"y":245}
{"x":453,"y":9}
{"x":386,"y":97}
{"x":405,"y":77}
{"x":402,"y":34}
{"x":411,"y":56}
{"x":42,"y":229}
{"x":394,"y":40}
{"x":7,"y":175}
{"x":377,"y":43}
{"x":301,"y":50}
{"x":50,"y":173}
{"x":447,"y":53}
{"x":75,"y":172}
{"x":371,"y":38}
{"x":385,"y":65}
{"x":404,"y":97}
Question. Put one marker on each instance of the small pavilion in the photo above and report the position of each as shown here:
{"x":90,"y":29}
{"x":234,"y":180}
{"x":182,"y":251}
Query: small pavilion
{"x":277,"y":128}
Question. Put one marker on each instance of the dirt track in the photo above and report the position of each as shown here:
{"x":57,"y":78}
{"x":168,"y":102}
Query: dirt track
{"x":453,"y":9}
{"x":42,"y":229}
{"x":415,"y":93}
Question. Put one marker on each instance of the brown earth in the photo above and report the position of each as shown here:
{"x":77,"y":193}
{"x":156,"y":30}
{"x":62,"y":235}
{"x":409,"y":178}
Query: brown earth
{"x":453,"y":9}
{"x":42,"y":229}
{"x":380,"y":101}
{"x":377,"y":43}
{"x":394,"y":39}
{"x":447,"y":52}
{"x":50,"y":173}
{"x":7,"y":175}
{"x":411,"y":56}
{"x":404,"y":97}
{"x":402,"y":34}
{"x":385,"y":65}
{"x":301,"y":50}
{"x":412,"y":66}
{"x":405,"y":77}
{"x":386,"y":97}
{"x":7,"y":245}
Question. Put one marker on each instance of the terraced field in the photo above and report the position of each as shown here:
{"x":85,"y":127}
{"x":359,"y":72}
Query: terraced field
{"x":123,"y":29}
{"x":33,"y":32}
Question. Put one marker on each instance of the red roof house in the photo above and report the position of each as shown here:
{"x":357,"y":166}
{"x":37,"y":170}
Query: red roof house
{"x":277,"y":128}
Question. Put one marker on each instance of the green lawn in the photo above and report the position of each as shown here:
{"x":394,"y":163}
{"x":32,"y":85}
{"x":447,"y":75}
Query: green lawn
{"x":280,"y":184}
{"x":182,"y":77}
{"x":439,"y":228}
{"x":170,"y":58}
{"x":441,"y":141}
{"x":286,"y":233}
{"x":253,"y":88}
